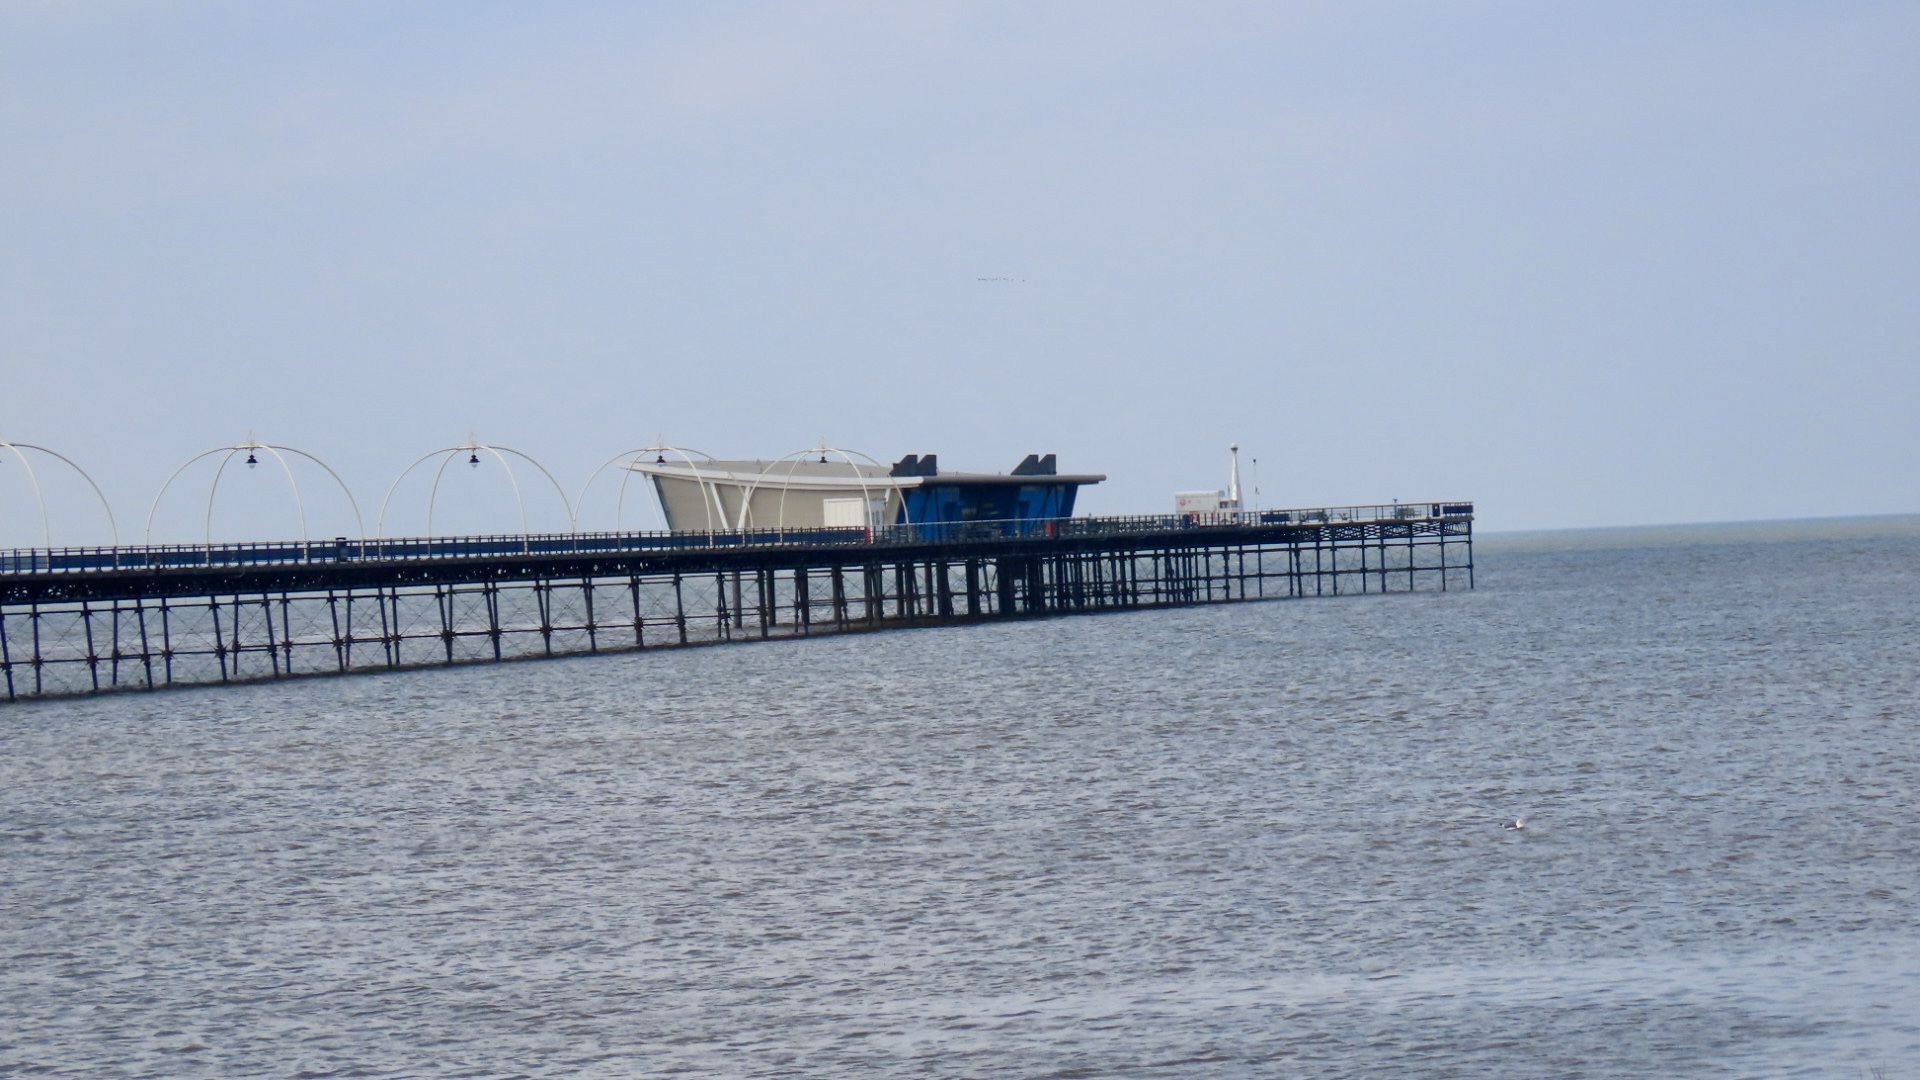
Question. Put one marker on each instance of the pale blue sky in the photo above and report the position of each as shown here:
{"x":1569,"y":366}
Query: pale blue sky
{"x":1587,"y":263}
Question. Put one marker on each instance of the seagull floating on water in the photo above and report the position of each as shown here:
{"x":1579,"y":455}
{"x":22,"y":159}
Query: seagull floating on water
{"x":1515,"y":825}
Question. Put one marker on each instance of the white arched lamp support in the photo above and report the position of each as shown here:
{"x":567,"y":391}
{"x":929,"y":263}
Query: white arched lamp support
{"x":33,"y":481}
{"x":792,"y":462}
{"x":473,"y":451}
{"x":250,"y":446}
{"x":708,"y":497}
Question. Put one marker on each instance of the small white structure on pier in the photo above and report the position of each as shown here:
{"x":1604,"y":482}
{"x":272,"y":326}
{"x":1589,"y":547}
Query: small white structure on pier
{"x":1213,"y":502}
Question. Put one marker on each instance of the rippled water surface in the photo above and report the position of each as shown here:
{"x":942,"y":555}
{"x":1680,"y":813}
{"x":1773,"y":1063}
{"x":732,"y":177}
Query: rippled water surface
{"x":1239,"y":841}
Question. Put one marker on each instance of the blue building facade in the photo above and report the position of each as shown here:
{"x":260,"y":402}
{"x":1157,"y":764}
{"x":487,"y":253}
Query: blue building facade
{"x":1017,"y":503}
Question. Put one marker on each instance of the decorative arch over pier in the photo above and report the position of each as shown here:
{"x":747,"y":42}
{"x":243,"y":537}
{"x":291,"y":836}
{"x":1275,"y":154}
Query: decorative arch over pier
{"x":473,"y":450}
{"x":659,"y":451}
{"x":39,"y":496}
{"x":278,"y":453}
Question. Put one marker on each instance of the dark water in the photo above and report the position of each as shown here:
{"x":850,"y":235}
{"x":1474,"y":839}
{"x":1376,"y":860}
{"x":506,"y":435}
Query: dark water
{"x":1248,"y":841}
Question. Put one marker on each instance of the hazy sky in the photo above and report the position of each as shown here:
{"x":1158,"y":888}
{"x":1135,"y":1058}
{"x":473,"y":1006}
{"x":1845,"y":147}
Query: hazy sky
{"x":1586,"y":263}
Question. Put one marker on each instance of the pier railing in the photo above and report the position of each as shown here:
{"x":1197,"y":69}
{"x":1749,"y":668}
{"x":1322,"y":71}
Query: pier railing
{"x":68,"y":560}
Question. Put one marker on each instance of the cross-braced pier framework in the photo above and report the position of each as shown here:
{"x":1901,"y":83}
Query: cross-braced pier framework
{"x":102,"y":630}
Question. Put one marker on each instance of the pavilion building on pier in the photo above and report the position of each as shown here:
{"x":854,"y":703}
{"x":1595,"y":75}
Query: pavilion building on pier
{"x":713,"y":495}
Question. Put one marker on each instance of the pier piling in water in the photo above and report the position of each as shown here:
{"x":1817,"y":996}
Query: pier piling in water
{"x":90,"y":620}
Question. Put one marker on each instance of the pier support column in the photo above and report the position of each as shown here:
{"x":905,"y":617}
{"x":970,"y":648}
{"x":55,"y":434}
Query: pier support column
{"x":166,"y":639}
{"x":93,"y":658}
{"x":443,"y":600}
{"x":339,"y":646}
{"x":679,"y":608}
{"x":874,"y":578}
{"x":219,"y":638}
{"x":273,"y":642}
{"x":543,"y":603}
{"x":494,"y":629}
{"x":146,"y":647}
{"x":586,"y":605}
{"x":6,"y":655}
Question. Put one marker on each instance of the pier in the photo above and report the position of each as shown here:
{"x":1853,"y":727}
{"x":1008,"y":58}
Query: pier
{"x":99,"y":619}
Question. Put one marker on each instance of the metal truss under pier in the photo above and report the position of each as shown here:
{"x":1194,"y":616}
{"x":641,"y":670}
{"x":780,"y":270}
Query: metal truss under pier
{"x":83,"y":621}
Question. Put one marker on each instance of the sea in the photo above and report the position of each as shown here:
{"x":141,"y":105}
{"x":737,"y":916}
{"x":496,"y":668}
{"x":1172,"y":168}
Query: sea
{"x":1248,"y":840}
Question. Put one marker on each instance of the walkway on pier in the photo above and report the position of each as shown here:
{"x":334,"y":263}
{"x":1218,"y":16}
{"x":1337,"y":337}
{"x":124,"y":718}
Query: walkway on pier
{"x":84,"y":620}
